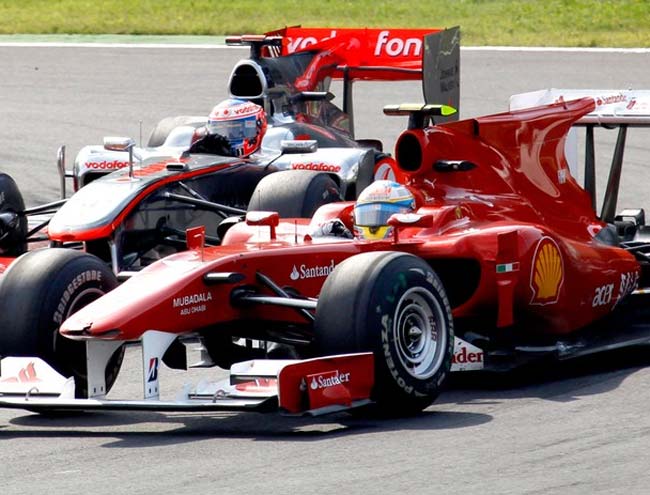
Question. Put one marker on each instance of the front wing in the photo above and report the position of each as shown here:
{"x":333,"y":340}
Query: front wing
{"x":293,"y":387}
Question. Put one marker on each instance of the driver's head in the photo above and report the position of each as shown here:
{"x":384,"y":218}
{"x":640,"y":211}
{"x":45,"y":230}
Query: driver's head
{"x":241,"y":122}
{"x":376,"y":204}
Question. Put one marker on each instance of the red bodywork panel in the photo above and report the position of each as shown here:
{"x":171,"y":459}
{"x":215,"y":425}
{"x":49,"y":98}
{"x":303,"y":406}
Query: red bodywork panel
{"x":316,"y":383}
{"x":516,"y":217}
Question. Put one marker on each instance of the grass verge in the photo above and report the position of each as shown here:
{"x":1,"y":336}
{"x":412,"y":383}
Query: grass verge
{"x":592,"y":23}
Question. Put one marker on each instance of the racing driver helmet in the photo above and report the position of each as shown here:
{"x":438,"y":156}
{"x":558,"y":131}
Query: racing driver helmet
{"x":241,"y":122}
{"x":376,"y":204}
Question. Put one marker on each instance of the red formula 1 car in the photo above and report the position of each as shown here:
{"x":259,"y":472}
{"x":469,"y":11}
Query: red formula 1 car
{"x":503,"y":259}
{"x":133,"y":205}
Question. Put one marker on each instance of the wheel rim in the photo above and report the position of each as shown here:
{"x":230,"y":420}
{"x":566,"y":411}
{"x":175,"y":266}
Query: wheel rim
{"x":419,"y":331}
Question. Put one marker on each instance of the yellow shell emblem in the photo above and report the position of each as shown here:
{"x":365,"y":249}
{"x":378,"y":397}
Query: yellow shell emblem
{"x":547,"y":273}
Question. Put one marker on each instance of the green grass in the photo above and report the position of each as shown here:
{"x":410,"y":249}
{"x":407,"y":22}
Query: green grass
{"x":619,"y":23}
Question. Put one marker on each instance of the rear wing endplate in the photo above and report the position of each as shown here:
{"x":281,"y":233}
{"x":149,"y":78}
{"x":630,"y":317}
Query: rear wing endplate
{"x":614,"y":109}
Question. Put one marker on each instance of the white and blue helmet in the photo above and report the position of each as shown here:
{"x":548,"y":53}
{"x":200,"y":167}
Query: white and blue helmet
{"x":242,"y":123}
{"x":376,"y":204}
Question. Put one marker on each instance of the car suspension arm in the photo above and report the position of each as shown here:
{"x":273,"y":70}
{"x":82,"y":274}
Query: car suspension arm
{"x":208,"y":205}
{"x":283,"y":298}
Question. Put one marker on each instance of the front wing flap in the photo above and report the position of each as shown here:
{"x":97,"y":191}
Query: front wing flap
{"x":296,"y":387}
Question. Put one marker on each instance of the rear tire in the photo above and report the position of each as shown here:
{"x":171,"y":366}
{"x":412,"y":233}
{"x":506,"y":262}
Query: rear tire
{"x":167,"y":125}
{"x":38,"y":292}
{"x":294,"y":193}
{"x":394,"y":305}
{"x":14,"y":241}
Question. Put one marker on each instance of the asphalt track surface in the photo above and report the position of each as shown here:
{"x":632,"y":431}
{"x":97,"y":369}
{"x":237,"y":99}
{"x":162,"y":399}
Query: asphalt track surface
{"x":577,"y":428}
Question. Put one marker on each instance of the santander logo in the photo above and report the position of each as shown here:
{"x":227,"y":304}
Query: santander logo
{"x":304,"y":271}
{"x":329,"y":380}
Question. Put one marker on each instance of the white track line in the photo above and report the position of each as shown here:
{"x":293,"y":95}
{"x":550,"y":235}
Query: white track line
{"x":554,"y":49}
{"x":209,"y":46}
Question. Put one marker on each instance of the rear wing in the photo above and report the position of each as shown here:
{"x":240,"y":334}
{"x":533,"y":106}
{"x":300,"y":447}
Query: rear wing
{"x":432,"y":55}
{"x":296,"y":60}
{"x":373,"y":54}
{"x":614,"y":109}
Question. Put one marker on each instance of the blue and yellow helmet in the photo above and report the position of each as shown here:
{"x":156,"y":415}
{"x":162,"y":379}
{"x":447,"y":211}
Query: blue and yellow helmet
{"x":376,"y":204}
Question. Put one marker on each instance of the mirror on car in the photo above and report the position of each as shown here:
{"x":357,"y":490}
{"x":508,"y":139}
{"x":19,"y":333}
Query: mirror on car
{"x":299,"y":145}
{"x":118,"y":143}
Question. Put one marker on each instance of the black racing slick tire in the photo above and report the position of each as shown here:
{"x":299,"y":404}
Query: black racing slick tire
{"x":167,"y":125}
{"x":38,"y":292}
{"x":13,"y":227}
{"x":294,"y":193}
{"x":394,"y":305}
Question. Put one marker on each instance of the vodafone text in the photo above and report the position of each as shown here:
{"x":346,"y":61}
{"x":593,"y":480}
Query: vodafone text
{"x":385,"y":44}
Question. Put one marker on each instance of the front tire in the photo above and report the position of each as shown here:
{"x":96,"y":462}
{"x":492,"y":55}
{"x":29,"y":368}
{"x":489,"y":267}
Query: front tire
{"x":38,"y":292}
{"x":394,"y":305}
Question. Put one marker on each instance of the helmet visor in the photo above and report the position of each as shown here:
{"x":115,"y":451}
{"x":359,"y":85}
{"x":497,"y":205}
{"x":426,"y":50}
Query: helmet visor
{"x":234,"y":130}
{"x":376,"y":214}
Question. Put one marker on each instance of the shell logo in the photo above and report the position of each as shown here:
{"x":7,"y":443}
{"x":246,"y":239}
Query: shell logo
{"x":547,"y":273}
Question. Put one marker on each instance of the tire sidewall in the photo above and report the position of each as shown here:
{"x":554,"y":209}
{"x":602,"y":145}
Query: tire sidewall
{"x":160,"y":133}
{"x":38,"y":292}
{"x":80,"y":282}
{"x":356,"y":312}
{"x":385,"y":297}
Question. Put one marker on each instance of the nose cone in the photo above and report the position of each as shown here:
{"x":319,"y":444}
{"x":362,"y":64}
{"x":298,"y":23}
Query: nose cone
{"x":101,"y":318}
{"x":169,"y":295}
